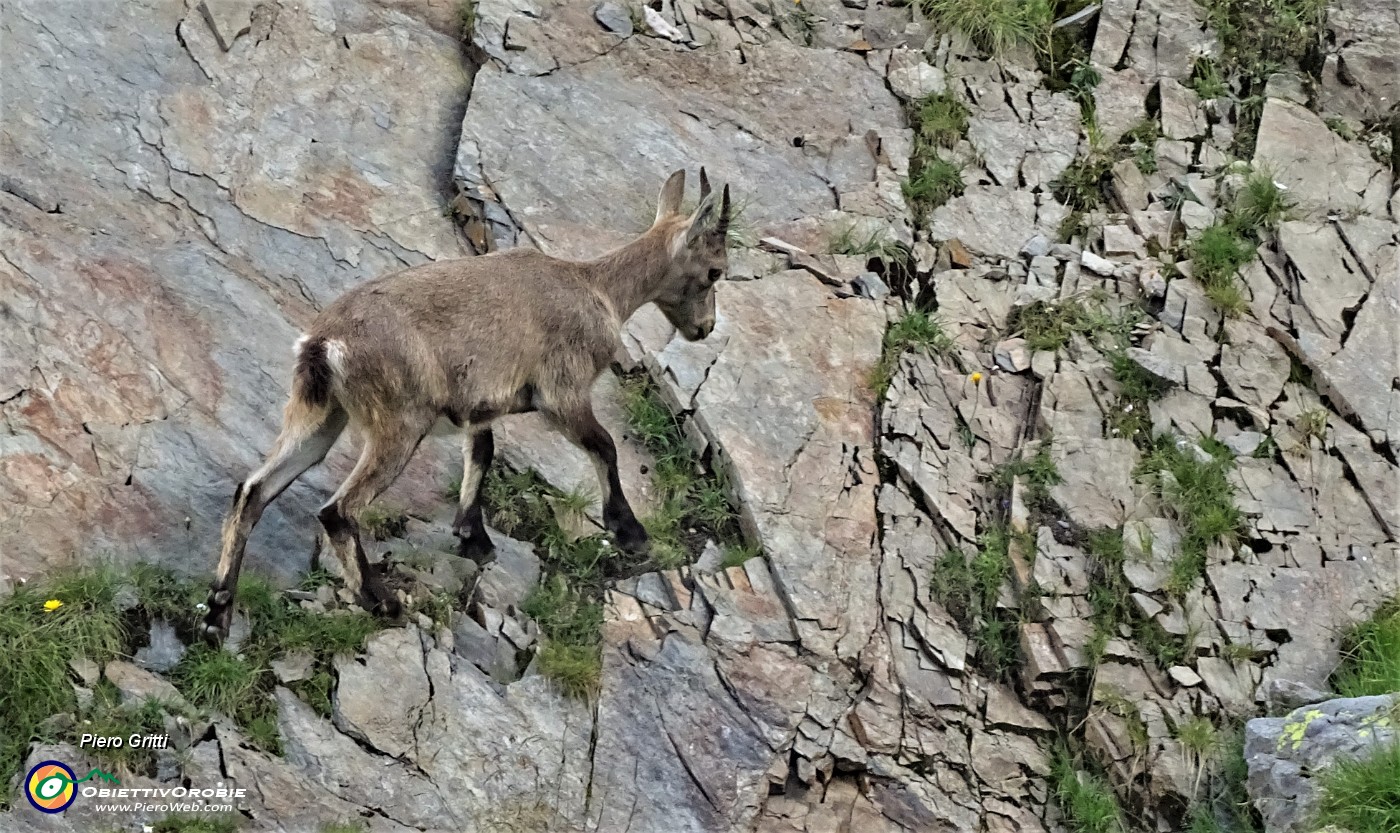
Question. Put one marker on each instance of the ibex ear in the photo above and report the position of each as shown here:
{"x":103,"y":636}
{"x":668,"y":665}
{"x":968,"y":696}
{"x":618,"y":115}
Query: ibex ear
{"x":724,"y":210}
{"x":669,"y":202}
{"x":704,"y":184}
{"x":703,"y":219}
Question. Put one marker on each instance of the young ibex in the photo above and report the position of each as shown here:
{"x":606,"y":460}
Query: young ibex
{"x":466,"y":341}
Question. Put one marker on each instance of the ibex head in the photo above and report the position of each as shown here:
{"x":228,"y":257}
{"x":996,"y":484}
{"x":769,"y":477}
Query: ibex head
{"x":698,"y":259}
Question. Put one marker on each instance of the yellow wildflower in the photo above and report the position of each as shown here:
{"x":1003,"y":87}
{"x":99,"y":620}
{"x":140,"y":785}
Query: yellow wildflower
{"x":52,"y":604}
{"x":976,"y":378}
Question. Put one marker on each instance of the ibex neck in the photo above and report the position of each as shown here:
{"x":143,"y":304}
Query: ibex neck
{"x":629,"y":276}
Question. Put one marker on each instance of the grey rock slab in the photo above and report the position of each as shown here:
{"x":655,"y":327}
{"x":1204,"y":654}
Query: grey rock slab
{"x":1024,"y":135}
{"x":911,"y":78}
{"x":1130,"y":188}
{"x":1181,"y":110}
{"x":342,"y":767}
{"x":614,"y":17}
{"x":1281,"y":696}
{"x":1097,"y":483}
{"x":1364,"y":371}
{"x":1330,"y":279}
{"x":136,"y":684}
{"x":473,"y":642}
{"x":1013,"y":355}
{"x":169,"y":290}
{"x":507,"y":580}
{"x":995,"y":221}
{"x":88,"y":671}
{"x":1245,"y":443}
{"x":1120,"y":101}
{"x":1286,"y":754}
{"x":1360,"y":73}
{"x":1120,"y":240}
{"x":1232,"y":683}
{"x":293,"y":667}
{"x":1150,"y":546}
{"x":229,"y":19}
{"x":1182,"y":413}
{"x":670,"y":108}
{"x":164,"y":650}
{"x":700,"y":751}
{"x":787,"y":405}
{"x":391,"y":671}
{"x":279,"y":796}
{"x":1252,"y":364}
{"x":1321,"y":170}
{"x":1096,"y":264}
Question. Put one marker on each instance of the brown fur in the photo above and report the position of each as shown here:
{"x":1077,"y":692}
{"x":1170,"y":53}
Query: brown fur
{"x":467,"y":341}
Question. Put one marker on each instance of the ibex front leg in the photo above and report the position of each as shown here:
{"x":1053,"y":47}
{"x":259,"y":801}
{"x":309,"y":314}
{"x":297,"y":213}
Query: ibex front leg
{"x":582,"y":427}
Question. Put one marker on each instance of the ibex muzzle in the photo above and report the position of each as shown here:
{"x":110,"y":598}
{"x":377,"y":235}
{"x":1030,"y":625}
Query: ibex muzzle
{"x":468,"y":341}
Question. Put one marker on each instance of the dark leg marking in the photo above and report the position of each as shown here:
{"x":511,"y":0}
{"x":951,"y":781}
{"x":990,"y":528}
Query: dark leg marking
{"x":373,"y":594}
{"x":617,"y":513}
{"x":469,"y":525}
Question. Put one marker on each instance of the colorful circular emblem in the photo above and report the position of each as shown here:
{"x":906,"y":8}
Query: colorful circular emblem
{"x":50,"y":787}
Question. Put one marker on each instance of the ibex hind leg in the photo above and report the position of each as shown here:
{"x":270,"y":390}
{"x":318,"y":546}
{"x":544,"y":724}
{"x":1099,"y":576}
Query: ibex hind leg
{"x":305,"y":439}
{"x":381,"y":462}
{"x":470,"y":526}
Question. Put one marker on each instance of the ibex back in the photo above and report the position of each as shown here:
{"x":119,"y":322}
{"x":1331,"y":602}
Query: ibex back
{"x":467,"y":341}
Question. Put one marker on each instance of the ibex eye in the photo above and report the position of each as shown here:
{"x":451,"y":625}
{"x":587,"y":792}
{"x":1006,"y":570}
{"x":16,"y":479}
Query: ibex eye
{"x":716,"y":274}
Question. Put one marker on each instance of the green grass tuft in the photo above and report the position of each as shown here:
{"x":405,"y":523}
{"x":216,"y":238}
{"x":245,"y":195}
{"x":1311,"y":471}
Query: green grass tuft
{"x":1037,"y":472}
{"x":1202,"y":499}
{"x":690,"y":497}
{"x":466,"y":20}
{"x":994,"y":26}
{"x":935,"y":182}
{"x":1371,"y":655}
{"x":1260,"y":37}
{"x":1051,"y":326}
{"x":571,"y":624}
{"x":383,"y":522}
{"x":1087,"y":801}
{"x":36,"y":645}
{"x":736,"y":556}
{"x":240,"y":685}
{"x":917,"y":330}
{"x":1364,"y":794}
{"x":877,"y":244}
{"x":942,"y":120}
{"x":1206,"y":79}
{"x":968,"y":589}
{"x":1260,"y":205}
{"x":1216,"y":258}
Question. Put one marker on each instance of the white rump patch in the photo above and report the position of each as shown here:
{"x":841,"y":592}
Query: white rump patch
{"x":296,"y":348}
{"x":335,"y":354}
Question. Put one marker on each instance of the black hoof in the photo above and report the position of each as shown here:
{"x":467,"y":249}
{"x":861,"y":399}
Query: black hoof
{"x":379,"y":600}
{"x":218,"y":618}
{"x":631,"y":537}
{"x":477,"y":547}
{"x":386,"y":608}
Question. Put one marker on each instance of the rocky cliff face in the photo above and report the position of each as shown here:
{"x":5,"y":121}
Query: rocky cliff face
{"x":210,"y":174}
